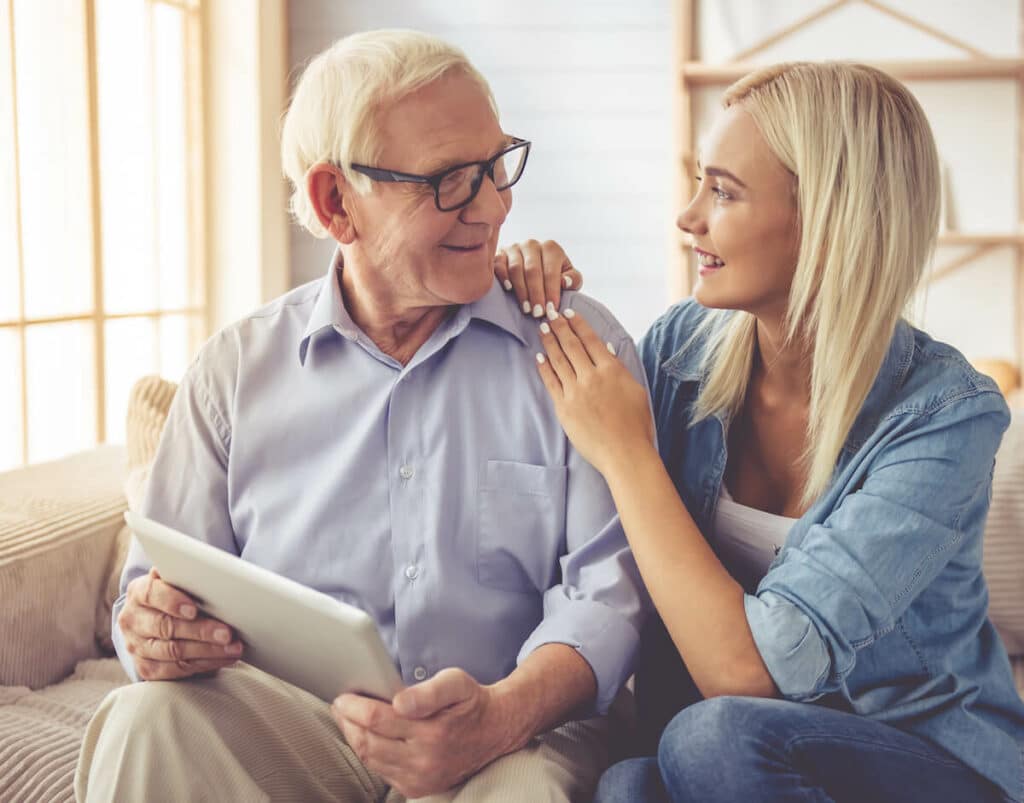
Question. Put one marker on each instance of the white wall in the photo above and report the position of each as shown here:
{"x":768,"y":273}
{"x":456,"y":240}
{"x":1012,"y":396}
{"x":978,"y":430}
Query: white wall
{"x":589,"y":82}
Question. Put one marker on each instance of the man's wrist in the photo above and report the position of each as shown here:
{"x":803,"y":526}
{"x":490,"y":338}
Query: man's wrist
{"x":530,"y":701}
{"x":508,"y":719}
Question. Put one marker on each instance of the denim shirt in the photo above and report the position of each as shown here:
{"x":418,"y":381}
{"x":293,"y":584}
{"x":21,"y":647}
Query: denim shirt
{"x":876,"y":603}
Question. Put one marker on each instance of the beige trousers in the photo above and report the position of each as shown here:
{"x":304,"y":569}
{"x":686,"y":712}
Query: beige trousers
{"x":243,"y":735}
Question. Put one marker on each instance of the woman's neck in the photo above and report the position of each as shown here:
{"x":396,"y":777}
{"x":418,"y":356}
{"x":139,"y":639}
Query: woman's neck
{"x":779,"y":368}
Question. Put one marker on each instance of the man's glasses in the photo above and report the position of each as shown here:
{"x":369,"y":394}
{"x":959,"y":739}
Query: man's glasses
{"x":457,"y":186}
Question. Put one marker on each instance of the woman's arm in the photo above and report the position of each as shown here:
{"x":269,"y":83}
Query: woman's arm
{"x":605,"y":413}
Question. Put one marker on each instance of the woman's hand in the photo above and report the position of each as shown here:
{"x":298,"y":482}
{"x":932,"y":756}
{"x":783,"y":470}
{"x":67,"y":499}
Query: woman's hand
{"x":537,"y":273}
{"x":603,"y":409}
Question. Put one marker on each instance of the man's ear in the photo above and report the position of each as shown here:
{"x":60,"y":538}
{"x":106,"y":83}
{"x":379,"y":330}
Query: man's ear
{"x":327,"y":188}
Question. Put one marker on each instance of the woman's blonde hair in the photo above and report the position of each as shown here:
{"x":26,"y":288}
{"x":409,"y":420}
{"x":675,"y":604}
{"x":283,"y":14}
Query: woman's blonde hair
{"x":332,"y":116}
{"x":867,"y":188}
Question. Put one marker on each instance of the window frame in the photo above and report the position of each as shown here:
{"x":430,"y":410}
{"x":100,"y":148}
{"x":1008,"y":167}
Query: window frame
{"x":196,"y":313}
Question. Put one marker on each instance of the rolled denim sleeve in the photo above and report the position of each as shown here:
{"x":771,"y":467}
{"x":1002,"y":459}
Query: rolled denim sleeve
{"x":923,"y":499}
{"x":187,"y":487}
{"x":601,"y":604}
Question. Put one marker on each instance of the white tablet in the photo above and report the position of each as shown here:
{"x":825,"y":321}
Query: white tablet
{"x":289,"y":630}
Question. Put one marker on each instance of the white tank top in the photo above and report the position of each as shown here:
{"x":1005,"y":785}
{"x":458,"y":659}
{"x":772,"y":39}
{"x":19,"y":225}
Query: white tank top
{"x":746,"y":539}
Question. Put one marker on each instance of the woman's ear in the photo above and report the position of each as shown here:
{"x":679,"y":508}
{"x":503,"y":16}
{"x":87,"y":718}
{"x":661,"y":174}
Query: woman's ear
{"x":327,"y":187}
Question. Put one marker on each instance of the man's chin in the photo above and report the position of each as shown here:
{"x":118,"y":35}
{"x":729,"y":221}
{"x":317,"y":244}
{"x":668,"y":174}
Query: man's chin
{"x":473,"y":286}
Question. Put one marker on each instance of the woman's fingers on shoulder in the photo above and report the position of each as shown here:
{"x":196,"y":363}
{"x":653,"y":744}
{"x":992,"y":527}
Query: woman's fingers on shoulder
{"x":554,"y":261}
{"x":537,"y":272}
{"x":501,"y":269}
{"x":598,"y":348}
{"x":514,"y":274}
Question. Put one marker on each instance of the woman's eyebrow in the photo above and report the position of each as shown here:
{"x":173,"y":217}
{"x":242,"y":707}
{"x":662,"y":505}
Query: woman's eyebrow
{"x":722,"y":172}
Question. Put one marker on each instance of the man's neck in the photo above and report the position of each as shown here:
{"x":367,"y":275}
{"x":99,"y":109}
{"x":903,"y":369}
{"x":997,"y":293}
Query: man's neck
{"x":396,"y":328}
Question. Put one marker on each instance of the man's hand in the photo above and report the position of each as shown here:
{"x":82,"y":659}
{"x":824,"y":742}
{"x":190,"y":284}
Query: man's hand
{"x":431,"y":736}
{"x":166,"y":635}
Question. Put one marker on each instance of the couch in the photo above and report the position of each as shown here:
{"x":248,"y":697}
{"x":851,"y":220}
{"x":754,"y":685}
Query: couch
{"x":63,"y":540}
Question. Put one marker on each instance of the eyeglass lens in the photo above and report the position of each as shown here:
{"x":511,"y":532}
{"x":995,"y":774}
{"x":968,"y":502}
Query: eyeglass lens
{"x":458,"y":186}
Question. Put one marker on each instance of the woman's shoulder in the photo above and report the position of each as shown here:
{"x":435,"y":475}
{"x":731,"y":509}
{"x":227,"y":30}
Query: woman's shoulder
{"x":939,"y":377}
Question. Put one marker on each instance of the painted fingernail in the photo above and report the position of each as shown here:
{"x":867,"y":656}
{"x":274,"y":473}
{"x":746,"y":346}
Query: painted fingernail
{"x":552,"y":312}
{"x":545,"y":328}
{"x":538,"y":310}
{"x":611,"y":349}
{"x":567,"y":281}
{"x":526,"y":307}
{"x":188,"y":611}
{"x":233,"y":649}
{"x":569,"y":313}
{"x":541,"y":359}
{"x":507,"y":284}
{"x":221,"y":635}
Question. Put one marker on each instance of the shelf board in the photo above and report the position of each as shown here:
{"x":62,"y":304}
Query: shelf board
{"x":990,"y":238}
{"x":700,"y":74}
{"x":945,"y":238}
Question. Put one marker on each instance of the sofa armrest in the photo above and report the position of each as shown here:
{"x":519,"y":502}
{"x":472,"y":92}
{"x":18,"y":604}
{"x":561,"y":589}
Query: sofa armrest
{"x":1004,"y":539}
{"x":59,"y":545}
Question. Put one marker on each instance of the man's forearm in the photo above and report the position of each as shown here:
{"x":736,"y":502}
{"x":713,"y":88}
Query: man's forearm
{"x":546,"y":690}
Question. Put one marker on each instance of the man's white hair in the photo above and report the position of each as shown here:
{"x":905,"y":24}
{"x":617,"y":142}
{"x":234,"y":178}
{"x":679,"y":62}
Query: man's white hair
{"x":333,"y":113}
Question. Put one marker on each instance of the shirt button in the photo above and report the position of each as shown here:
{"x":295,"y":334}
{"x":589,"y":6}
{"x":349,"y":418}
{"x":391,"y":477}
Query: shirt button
{"x":419,"y":673}
{"x":406,"y":472}
{"x":412,"y":571}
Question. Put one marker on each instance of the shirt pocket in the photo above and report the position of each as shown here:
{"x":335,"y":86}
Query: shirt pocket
{"x":521,"y":530}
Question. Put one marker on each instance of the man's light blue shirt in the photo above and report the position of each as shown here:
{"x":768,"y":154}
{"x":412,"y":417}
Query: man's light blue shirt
{"x":441,"y":497}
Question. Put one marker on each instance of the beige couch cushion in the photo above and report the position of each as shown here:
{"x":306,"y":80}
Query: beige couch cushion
{"x":41,"y":731}
{"x":59,"y":523}
{"x":148,"y":404}
{"x":1004,"y":539}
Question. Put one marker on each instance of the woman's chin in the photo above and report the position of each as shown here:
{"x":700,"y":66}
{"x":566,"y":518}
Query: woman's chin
{"x":710,"y":297}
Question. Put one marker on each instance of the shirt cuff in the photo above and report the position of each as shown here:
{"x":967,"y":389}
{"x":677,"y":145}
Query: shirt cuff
{"x":606,"y":640}
{"x":790,"y":645}
{"x":118,"y":638}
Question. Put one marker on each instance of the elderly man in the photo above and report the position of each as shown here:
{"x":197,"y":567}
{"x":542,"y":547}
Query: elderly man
{"x":382,"y":435}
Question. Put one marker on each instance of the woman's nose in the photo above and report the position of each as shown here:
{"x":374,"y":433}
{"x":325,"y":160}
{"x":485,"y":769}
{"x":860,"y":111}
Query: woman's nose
{"x":691,"y":220}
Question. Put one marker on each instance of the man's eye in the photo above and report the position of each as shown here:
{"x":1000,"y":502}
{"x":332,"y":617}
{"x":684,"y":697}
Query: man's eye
{"x":456,"y":178}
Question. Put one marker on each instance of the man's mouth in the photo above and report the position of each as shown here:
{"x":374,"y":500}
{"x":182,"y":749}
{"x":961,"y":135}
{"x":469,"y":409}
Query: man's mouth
{"x":465,"y":249}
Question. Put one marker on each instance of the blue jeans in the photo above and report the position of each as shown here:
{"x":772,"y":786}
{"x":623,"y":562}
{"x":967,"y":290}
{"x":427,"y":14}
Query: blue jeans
{"x":747,"y":749}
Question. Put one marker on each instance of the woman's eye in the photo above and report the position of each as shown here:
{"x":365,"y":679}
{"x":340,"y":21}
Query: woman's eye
{"x":722,"y":194}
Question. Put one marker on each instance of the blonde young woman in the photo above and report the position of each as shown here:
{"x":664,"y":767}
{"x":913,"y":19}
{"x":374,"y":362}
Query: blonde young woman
{"x":809,"y":525}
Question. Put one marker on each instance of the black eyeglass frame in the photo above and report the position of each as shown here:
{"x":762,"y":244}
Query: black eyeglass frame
{"x":486,"y":168}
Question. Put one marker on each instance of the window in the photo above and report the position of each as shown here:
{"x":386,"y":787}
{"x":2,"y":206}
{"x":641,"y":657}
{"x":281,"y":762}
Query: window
{"x":102,"y":275}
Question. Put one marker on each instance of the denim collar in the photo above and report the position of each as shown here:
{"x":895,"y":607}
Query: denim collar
{"x":686,"y":366}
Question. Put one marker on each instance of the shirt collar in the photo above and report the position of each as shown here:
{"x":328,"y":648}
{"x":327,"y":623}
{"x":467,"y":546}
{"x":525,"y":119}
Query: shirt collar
{"x":328,"y":310}
{"x":889,"y":379}
{"x":497,"y":308}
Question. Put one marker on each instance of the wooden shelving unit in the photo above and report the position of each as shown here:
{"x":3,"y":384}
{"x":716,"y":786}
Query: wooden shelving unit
{"x":693,"y":74}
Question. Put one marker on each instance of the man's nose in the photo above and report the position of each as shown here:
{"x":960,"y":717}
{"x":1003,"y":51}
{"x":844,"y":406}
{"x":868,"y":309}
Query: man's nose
{"x":489,"y":206}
